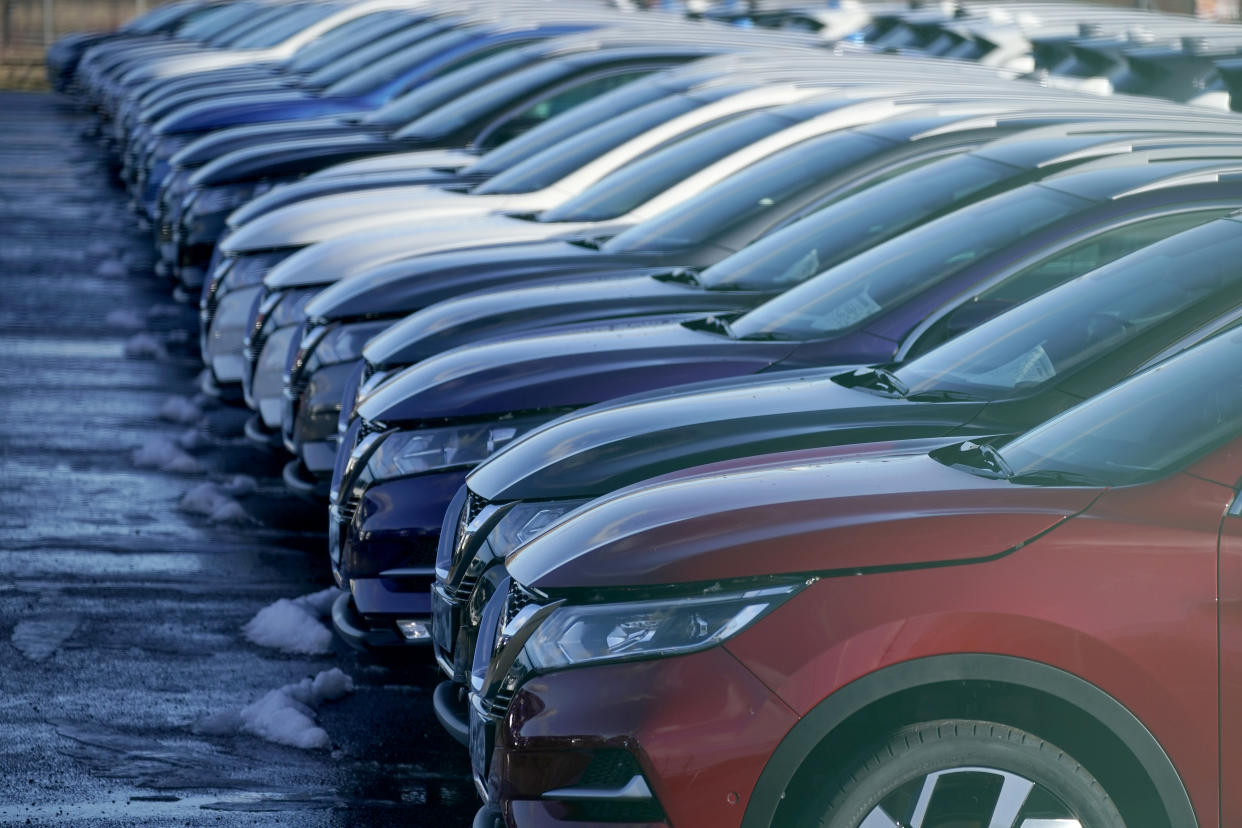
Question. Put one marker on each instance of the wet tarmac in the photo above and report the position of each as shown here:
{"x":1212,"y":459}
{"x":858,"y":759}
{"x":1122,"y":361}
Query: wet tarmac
{"x":120,"y":614}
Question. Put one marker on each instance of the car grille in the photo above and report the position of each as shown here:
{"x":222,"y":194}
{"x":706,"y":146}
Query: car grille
{"x":517,"y":600}
{"x":255,"y":349}
{"x":368,"y":371}
{"x":368,"y":427}
{"x":349,"y":508}
{"x":474,"y":504}
{"x":495,"y":706}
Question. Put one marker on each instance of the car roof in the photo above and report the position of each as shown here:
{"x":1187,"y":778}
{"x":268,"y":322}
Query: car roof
{"x":1127,"y":175}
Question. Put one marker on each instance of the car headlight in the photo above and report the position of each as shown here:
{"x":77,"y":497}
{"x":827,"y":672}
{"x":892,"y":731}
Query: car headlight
{"x":526,"y":521}
{"x":218,"y":199}
{"x":573,"y":635}
{"x":405,"y":453}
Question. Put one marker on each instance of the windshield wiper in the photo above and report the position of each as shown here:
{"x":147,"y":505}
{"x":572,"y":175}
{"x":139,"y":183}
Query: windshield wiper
{"x":680,"y":275}
{"x":710,"y":324}
{"x":976,"y":458}
{"x":873,"y":379}
{"x":1054,"y":477}
{"x":940,"y":395}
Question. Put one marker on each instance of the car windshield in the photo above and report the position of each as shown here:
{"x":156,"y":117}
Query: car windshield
{"x":243,"y":20}
{"x":577,"y":124}
{"x":1057,"y":332}
{"x":829,"y":236}
{"x":853,"y":292}
{"x":367,"y":56}
{"x":1141,"y":429}
{"x":452,"y":82}
{"x":287,"y":26}
{"x":157,"y":18}
{"x":385,"y":69}
{"x":637,"y":183}
{"x":557,"y":160}
{"x":344,"y":39}
{"x":759,"y":188}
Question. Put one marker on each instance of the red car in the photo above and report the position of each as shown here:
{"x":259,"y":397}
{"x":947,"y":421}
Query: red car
{"x":1032,"y":632}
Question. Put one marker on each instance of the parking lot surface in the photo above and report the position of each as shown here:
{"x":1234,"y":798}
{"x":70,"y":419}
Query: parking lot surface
{"x":122,"y":658}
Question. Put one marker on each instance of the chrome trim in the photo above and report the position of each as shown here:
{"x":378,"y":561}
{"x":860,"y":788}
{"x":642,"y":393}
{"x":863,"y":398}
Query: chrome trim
{"x":635,"y":790}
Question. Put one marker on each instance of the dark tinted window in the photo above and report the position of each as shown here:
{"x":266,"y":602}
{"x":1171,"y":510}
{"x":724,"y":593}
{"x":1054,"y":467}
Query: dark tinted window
{"x":376,"y":74}
{"x":453,"y":82}
{"x":568,"y":97}
{"x":1055,"y":333}
{"x":628,"y":100}
{"x":345,"y":39}
{"x":1143,"y":428}
{"x":761,"y":187}
{"x":795,"y":253}
{"x":554,"y":161}
{"x":1065,"y":264}
{"x":286,"y":27}
{"x":854,"y":291}
{"x":643,"y":180}
{"x":367,"y":56}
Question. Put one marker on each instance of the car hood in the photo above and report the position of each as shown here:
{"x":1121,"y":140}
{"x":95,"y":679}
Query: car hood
{"x":800,"y":516}
{"x":312,"y":187}
{"x":288,"y":159}
{"x":444,"y":160}
{"x":562,"y":369}
{"x":331,"y":216}
{"x":602,"y":448}
{"x":495,"y":313}
{"x":407,"y":285}
{"x":342,"y":258}
{"x":245,"y":108}
{"x":218,"y":142}
{"x":201,"y":61}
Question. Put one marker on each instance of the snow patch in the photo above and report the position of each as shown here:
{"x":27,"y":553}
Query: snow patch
{"x":285,"y":715}
{"x":209,"y":500}
{"x":38,"y":638}
{"x":111,"y":267}
{"x":145,"y":346}
{"x":100,"y":249}
{"x":293,"y":625}
{"x":162,"y":453}
{"x":179,"y":409}
{"x":241,"y":485}
{"x":125,"y":318}
{"x":193,"y":438}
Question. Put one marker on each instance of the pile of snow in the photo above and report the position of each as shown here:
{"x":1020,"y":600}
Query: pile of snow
{"x":179,"y":409}
{"x":285,"y":715}
{"x":162,"y":453}
{"x":294,"y":626}
{"x":210,"y":500}
{"x":145,"y":346}
{"x":38,"y":638}
{"x":111,"y":267}
{"x":163,"y":311}
{"x":193,"y":438}
{"x":126,"y":319}
{"x":100,"y":249}
{"x":241,"y":485}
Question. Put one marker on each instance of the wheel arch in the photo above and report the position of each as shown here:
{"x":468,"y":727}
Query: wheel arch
{"x":998,"y":678}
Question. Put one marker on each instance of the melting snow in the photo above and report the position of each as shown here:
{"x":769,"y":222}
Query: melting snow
{"x":162,"y":453}
{"x":179,"y":409}
{"x":210,"y":500}
{"x":38,"y":638}
{"x":293,"y":626}
{"x":145,"y":346}
{"x":126,"y":319}
{"x":111,"y":267}
{"x":285,"y":715}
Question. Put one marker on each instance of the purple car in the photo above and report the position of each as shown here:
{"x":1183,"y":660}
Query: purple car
{"x":417,"y":434}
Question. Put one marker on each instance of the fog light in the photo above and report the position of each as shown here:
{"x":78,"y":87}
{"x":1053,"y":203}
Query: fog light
{"x":414,"y":629}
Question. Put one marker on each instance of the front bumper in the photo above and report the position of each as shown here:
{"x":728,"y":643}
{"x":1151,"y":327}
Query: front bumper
{"x":693,"y":731}
{"x":384,"y":553}
{"x":373,"y":635}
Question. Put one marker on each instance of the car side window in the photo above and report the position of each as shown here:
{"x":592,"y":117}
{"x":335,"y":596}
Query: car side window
{"x":1060,"y":267}
{"x":553,"y":105}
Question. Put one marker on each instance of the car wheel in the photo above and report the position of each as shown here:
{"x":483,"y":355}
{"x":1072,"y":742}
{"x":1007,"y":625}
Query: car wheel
{"x":965,"y":774}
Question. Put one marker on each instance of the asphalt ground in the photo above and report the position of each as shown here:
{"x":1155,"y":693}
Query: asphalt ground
{"x":121,"y":614}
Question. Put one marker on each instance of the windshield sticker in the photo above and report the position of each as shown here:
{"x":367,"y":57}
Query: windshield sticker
{"x":801,"y":270}
{"x":847,"y":313}
{"x":1032,"y":366}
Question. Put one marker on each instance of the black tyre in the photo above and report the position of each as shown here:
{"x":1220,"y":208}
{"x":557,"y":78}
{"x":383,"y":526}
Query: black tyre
{"x":959,"y":773}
